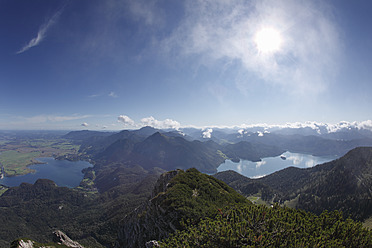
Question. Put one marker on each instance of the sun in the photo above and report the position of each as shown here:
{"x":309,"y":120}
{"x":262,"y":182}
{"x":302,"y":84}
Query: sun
{"x":268,"y":40}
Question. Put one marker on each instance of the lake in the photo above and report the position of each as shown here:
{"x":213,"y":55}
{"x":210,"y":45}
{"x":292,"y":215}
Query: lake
{"x":270,"y":165}
{"x":64,"y":173}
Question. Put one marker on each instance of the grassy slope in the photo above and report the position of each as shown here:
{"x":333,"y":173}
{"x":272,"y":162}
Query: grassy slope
{"x":15,"y":162}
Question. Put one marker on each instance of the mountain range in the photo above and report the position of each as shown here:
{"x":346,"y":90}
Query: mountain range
{"x":191,"y":209}
{"x":129,"y":182}
{"x":182,"y":149}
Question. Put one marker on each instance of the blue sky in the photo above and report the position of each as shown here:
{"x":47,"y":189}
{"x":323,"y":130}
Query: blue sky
{"x":121,"y":64}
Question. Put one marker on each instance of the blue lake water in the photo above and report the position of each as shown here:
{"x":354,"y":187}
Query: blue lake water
{"x":64,"y":173}
{"x":270,"y":165}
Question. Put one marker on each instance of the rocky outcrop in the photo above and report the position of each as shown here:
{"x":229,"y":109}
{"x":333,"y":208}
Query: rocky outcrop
{"x":25,"y":244}
{"x":62,"y":239}
{"x":2,"y":171}
{"x":59,"y":238}
{"x":149,"y":221}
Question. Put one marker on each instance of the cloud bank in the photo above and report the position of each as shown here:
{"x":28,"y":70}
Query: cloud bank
{"x":165,"y":124}
{"x":216,"y":32}
{"x":260,"y":129}
{"x":319,"y":127}
{"x":41,"y":34}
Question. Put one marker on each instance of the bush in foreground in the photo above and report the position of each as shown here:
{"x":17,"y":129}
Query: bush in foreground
{"x":260,"y":226}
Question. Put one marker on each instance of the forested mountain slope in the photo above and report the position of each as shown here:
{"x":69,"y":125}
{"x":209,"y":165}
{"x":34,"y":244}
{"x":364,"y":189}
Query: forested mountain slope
{"x":191,"y":209}
{"x":344,"y":184}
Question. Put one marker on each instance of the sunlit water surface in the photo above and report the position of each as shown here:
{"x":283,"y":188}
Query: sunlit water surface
{"x":270,"y":165}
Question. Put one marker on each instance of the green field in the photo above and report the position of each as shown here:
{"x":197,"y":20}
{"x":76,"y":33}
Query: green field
{"x":42,"y":143}
{"x":15,"y":162}
{"x":17,"y":154}
{"x":256,"y":199}
{"x":368,"y":223}
{"x":2,"y":189}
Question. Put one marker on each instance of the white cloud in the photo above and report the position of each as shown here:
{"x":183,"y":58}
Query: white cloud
{"x":150,"y":121}
{"x":223,"y":32}
{"x":167,"y":123}
{"x":84,"y":124}
{"x":260,"y":134}
{"x":207,"y":134}
{"x":365,"y":125}
{"x":112,"y":94}
{"x":41,"y":34}
{"x":127,"y":121}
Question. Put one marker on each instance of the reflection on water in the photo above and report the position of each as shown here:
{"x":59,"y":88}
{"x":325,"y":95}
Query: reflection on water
{"x":270,"y":165}
{"x":258,"y":164}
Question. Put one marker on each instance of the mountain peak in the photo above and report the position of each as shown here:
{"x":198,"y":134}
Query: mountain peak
{"x":146,"y":131}
{"x":158,"y":137}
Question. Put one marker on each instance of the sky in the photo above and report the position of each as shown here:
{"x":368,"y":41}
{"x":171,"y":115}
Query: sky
{"x":123,"y":64}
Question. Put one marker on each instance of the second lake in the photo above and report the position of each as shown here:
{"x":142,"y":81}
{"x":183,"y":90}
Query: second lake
{"x":269,"y":165}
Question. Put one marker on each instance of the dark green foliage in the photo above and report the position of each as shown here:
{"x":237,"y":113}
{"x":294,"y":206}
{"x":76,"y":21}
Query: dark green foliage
{"x":179,"y":196}
{"x":195,"y":195}
{"x":247,"y":186}
{"x":261,"y":226}
{"x":92,"y":219}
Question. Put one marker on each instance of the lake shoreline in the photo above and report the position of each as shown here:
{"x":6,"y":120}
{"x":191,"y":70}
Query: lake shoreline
{"x":269,"y":165}
{"x":62,"y":172}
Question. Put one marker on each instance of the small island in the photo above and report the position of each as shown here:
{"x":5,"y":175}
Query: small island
{"x":235,"y":160}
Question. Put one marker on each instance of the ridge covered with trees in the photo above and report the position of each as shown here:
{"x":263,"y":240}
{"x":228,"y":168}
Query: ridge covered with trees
{"x":199,"y":211}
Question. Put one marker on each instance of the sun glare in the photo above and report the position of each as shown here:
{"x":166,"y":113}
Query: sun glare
{"x":268,"y":40}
